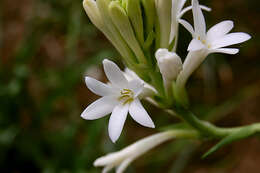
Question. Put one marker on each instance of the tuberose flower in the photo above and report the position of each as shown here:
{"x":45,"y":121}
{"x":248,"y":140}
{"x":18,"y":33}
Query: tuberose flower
{"x":120,"y":96}
{"x":177,"y":12}
{"x":148,"y":89}
{"x":204,"y":43}
{"x":169,"y":12}
{"x":122,"y":159}
{"x":216,"y":38}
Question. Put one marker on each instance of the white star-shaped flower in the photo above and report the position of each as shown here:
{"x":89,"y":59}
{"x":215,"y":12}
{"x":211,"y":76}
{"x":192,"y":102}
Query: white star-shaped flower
{"x":120,"y":96}
{"x":216,"y":38}
{"x":177,"y":12}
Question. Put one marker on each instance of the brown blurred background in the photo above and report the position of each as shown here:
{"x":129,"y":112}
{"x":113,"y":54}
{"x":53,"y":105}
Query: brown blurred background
{"x":46,"y":49}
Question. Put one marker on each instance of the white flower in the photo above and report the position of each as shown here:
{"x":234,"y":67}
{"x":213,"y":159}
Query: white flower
{"x":216,"y":38}
{"x":122,"y":159}
{"x":169,"y":64}
{"x":169,"y":12}
{"x":205,"y":43}
{"x":148,"y":90}
{"x":177,"y":13}
{"x":120,"y":96}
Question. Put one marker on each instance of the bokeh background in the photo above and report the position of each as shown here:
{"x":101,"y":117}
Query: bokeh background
{"x":46,"y":49}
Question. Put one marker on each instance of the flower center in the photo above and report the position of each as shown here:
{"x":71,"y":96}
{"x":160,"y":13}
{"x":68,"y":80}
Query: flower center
{"x":204,"y":42}
{"x":126,"y":95}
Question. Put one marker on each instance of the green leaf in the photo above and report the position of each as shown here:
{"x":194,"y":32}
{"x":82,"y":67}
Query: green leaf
{"x":240,"y":134}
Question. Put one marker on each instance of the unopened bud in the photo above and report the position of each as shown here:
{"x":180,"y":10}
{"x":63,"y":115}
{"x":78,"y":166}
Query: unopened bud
{"x":169,"y":63}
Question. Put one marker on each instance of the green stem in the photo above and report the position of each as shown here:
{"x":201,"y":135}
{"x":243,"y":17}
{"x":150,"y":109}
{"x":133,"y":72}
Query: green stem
{"x":208,"y":129}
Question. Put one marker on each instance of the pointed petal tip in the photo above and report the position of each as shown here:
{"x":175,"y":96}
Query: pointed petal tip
{"x":86,"y":116}
{"x":113,"y":138}
{"x":151,"y":126}
{"x":248,"y":36}
{"x":105,"y":61}
{"x":87,"y":79}
{"x":99,"y":162}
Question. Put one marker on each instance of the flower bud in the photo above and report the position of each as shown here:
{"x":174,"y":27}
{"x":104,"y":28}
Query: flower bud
{"x":169,"y":64}
{"x":163,"y":8}
{"x":122,"y":23}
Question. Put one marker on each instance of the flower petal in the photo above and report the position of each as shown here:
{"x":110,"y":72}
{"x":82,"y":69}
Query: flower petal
{"x":97,"y":87}
{"x":231,"y":51}
{"x":116,"y":121}
{"x":136,"y":86}
{"x":107,"y":168}
{"x":219,"y":30}
{"x":114,"y":74}
{"x":187,"y":26}
{"x":230,"y":39}
{"x":181,"y":4}
{"x":185,"y":10}
{"x":99,"y":108}
{"x":139,"y":114}
{"x":198,"y":18}
{"x":195,"y":45}
{"x":122,"y":167}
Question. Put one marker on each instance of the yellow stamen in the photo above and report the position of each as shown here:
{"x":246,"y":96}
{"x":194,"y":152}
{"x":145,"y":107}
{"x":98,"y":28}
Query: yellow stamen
{"x":127,"y":96}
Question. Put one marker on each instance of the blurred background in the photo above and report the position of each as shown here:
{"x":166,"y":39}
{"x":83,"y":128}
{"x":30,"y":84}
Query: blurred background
{"x":46,"y":49}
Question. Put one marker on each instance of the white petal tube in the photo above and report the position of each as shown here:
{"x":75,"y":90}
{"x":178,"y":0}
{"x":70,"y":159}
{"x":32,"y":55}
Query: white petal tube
{"x":123,"y":158}
{"x":191,"y":63}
